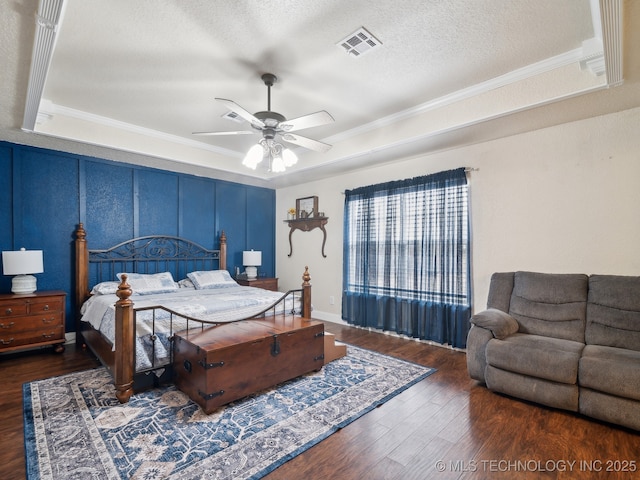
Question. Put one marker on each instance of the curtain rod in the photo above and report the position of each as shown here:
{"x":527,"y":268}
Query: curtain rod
{"x":466,"y":170}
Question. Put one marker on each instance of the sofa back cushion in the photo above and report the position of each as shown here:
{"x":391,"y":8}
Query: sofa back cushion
{"x":613,"y":312}
{"x":500,"y":291}
{"x":551,"y":305}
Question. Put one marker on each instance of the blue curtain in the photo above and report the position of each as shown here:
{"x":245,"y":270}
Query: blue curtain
{"x":406,"y":257}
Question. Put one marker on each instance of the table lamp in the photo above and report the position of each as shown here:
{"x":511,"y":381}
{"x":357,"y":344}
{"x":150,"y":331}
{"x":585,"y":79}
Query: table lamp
{"x":251,"y":260}
{"x":22,"y":263}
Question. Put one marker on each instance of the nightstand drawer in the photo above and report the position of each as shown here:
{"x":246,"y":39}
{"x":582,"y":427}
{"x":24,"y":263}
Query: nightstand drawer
{"x":44,"y":306}
{"x":43,"y":321}
{"x":13,"y":309}
{"x":33,"y":337}
{"x":30,"y":306}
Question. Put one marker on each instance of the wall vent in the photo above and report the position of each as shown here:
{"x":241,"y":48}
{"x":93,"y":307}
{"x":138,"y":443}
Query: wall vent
{"x":359,"y":42}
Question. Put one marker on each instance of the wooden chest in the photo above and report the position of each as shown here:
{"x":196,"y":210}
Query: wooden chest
{"x":221,"y":364}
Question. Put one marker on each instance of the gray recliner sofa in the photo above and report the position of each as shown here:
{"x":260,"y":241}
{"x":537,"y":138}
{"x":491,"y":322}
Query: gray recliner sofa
{"x":568,"y":341}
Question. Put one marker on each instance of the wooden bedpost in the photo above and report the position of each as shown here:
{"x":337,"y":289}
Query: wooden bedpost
{"x":223,"y":251}
{"x":306,"y":293}
{"x":124,"y":338}
{"x":82,"y":275}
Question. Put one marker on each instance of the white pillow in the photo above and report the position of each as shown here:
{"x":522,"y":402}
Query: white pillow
{"x":185,"y":283}
{"x":211,"y":279}
{"x":148,"y":284}
{"x":105,"y":288}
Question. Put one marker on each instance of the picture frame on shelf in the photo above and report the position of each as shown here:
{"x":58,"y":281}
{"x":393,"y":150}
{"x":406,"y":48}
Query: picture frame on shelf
{"x":307,"y":207}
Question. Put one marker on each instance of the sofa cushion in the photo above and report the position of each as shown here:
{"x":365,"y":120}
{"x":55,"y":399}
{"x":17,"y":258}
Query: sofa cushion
{"x":500,"y":290}
{"x":612,"y":370}
{"x":613,"y":311}
{"x":609,"y":408}
{"x":551,"y":305}
{"x":553,"y":394}
{"x":537,"y":356}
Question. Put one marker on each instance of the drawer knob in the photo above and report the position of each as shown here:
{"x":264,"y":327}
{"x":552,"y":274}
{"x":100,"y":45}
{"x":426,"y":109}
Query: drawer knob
{"x":45,"y":308}
{"x":48,"y":320}
{"x":8,"y":311}
{"x":6,"y":342}
{"x":7,"y":325}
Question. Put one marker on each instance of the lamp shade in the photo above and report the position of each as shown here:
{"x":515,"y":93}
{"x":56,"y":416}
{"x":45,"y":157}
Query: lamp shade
{"x":22,"y":262}
{"x":252,"y":258}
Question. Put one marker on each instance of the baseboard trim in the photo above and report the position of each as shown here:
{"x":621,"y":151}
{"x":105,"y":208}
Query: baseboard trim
{"x":327,"y":317}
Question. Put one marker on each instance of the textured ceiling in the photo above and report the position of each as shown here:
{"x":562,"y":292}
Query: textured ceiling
{"x":132,"y":80}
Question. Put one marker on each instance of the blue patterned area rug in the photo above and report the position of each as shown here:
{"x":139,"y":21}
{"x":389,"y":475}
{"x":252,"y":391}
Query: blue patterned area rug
{"x":75,"y":427}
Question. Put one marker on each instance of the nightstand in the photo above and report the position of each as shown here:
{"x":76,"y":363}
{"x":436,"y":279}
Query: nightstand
{"x":32,"y":320}
{"x":260,"y":282}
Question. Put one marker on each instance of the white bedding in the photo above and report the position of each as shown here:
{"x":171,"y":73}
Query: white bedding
{"x":216,"y":305}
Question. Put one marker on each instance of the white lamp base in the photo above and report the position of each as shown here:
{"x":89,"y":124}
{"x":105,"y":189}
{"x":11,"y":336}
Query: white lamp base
{"x":23,"y":284}
{"x":252,"y":272}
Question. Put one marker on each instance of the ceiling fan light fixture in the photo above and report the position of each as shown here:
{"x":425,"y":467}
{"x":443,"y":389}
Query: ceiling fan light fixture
{"x":277,"y":164}
{"x":289,"y":158}
{"x":273,"y":125}
{"x":254,"y":156}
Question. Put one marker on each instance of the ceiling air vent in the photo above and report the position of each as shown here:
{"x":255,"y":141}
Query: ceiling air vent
{"x":233,"y":116}
{"x":359,"y":42}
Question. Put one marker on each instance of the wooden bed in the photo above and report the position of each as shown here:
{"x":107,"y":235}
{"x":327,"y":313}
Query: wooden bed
{"x":149,"y":254}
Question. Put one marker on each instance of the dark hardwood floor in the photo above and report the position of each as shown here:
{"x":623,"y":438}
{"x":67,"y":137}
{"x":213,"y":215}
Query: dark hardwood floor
{"x":19,"y":368}
{"x":444,"y":427}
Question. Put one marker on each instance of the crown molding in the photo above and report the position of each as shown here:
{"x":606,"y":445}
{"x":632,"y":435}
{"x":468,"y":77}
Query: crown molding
{"x":49,"y":16}
{"x":50,"y":110}
{"x":611,"y":19}
{"x":514,"y":76}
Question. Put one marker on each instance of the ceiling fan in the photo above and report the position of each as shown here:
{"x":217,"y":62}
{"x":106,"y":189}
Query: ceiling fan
{"x":274,"y":125}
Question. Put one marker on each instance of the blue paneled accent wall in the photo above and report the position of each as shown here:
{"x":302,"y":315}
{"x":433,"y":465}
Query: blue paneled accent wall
{"x":44,"y":194}
{"x":6,"y":217}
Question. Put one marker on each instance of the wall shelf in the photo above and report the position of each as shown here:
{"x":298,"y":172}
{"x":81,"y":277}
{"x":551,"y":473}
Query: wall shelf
{"x":306,"y":225}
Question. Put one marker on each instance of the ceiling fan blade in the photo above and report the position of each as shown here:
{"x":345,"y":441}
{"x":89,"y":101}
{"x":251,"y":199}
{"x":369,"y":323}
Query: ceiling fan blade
{"x":306,"y":121}
{"x":239,"y":132}
{"x":306,"y":142}
{"x":234,"y":107}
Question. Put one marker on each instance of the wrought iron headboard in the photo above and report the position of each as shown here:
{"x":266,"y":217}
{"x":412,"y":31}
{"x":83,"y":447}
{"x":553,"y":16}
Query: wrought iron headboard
{"x":148,"y":254}
{"x":151,"y":254}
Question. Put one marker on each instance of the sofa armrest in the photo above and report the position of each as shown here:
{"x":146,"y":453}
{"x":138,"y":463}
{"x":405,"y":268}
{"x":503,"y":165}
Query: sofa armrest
{"x":499,"y":323}
{"x":477,"y":340}
{"x":486,"y":325}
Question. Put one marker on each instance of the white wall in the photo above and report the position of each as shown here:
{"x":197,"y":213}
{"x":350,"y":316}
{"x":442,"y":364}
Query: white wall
{"x":564,"y":199}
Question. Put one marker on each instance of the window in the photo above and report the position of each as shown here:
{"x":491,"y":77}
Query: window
{"x":406,"y":257}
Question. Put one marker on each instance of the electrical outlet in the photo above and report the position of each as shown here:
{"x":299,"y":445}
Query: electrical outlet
{"x":332,"y":300}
